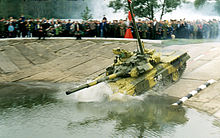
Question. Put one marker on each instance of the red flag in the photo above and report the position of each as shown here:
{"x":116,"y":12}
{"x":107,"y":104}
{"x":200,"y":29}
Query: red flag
{"x":130,"y":1}
{"x":129,"y":16}
{"x":128,"y":33}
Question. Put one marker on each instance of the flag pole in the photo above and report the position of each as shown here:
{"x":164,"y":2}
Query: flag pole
{"x":135,"y":27}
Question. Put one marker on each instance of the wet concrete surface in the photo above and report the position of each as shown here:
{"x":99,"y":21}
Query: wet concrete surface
{"x":56,"y":60}
{"x":203,"y":66}
{"x":78,"y":61}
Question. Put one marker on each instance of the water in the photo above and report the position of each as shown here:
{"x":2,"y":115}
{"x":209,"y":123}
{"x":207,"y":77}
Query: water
{"x":40,"y":110}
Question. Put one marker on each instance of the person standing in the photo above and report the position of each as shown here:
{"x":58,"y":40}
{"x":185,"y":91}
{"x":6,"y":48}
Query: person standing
{"x":78,"y":32}
{"x":150,"y":29}
{"x":111,"y":29}
{"x":115,"y":29}
{"x":122,"y":29}
{"x":2,"y":28}
{"x":97,"y":29}
{"x":158,"y":30}
{"x":92,"y":26}
{"x":17,"y":29}
{"x":86,"y":29}
{"x":22,"y":18}
{"x":139,"y":27}
{"x":58,"y":29}
{"x":67,"y":30}
{"x":174,"y":25}
{"x":205,"y":30}
{"x":170,"y":33}
{"x":216,"y":27}
{"x":39,"y":30}
{"x":28,"y":29}
{"x":144,"y":29}
{"x":32,"y":23}
{"x":22,"y":29}
{"x":41,"y":33}
{"x":164,"y":29}
{"x":195,"y":30}
{"x":103,"y":29}
{"x":10,"y":30}
{"x":46,"y":27}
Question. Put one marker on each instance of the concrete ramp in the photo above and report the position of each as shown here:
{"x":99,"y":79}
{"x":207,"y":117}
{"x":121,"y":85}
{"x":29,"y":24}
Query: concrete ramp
{"x":6,"y":65}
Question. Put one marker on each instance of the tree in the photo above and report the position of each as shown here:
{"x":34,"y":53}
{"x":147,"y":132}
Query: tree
{"x":42,"y":8}
{"x":86,"y":14}
{"x":147,"y":8}
{"x":38,"y":9}
{"x":217,"y":6}
{"x":200,"y":3}
{"x":169,"y":6}
{"x":3,"y":9}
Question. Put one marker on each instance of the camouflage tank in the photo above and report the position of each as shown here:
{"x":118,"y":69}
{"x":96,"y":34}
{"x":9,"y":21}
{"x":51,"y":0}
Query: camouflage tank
{"x":133,"y":73}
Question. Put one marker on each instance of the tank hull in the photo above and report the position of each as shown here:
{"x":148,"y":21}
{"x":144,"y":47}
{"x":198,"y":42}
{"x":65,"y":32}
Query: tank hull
{"x":172,"y":66}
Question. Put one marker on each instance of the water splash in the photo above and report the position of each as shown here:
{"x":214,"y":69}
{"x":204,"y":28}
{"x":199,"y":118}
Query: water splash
{"x":124,"y":97}
{"x":99,"y":93}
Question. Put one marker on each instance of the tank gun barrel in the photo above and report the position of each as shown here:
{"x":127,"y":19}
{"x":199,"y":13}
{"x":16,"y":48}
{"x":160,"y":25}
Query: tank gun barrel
{"x":110,"y":77}
{"x":135,"y":26}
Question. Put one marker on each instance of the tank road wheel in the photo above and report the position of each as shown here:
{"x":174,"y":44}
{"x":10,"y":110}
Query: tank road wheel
{"x":182,"y":69}
{"x":175,"y":76}
{"x":166,"y":80}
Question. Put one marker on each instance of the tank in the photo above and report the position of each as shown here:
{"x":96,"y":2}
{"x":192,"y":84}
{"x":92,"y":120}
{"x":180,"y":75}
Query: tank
{"x":133,"y":73}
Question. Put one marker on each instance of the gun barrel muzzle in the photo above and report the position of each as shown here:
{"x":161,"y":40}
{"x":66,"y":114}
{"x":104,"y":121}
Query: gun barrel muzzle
{"x":77,"y":89}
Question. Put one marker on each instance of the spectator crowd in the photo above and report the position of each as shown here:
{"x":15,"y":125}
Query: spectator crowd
{"x":148,"y":29}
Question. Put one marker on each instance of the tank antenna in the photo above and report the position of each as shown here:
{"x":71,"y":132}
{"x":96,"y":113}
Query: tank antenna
{"x":135,"y":27}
